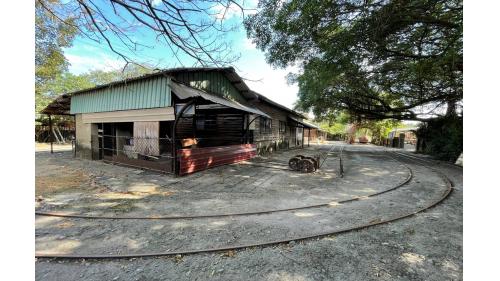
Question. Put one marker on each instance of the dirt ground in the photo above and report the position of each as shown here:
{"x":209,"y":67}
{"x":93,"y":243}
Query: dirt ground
{"x":427,"y":246}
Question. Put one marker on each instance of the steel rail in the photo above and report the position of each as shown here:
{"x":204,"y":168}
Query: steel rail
{"x":432,"y":161}
{"x":341,"y":162}
{"x":441,"y":174}
{"x":282,"y":167}
{"x":436,"y":202}
{"x":330,"y":203}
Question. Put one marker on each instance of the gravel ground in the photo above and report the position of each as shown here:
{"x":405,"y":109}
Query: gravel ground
{"x":227,"y":189}
{"x":427,"y":246}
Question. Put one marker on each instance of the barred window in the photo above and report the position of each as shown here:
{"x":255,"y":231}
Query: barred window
{"x":265,"y":125}
{"x":282,"y":128}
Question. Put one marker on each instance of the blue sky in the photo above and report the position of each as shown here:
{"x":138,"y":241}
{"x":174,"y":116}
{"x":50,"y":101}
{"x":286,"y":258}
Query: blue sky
{"x":86,"y":55}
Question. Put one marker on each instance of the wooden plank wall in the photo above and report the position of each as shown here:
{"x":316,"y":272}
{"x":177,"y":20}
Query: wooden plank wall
{"x":184,"y":128}
{"x":221,"y":129}
{"x":140,"y":115}
{"x":198,"y":159}
{"x":217,"y":130}
{"x":146,"y":136}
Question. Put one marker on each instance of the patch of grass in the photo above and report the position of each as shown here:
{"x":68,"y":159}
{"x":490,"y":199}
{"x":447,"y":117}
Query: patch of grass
{"x":178,"y":258}
{"x":65,"y":224}
{"x":410,"y":231}
{"x":229,"y":254}
{"x":124,"y":206}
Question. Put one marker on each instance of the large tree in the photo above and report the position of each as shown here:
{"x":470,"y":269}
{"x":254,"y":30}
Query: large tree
{"x":399,"y":59}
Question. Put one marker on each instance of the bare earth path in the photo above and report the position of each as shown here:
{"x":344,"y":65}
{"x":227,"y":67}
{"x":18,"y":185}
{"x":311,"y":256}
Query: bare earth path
{"x":427,"y":246}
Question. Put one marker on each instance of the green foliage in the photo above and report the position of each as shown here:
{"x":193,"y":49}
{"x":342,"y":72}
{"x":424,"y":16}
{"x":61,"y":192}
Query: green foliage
{"x":335,"y":123}
{"x":62,"y":83}
{"x":334,"y":129}
{"x":338,"y":123}
{"x":380,"y":129}
{"x":51,"y":35}
{"x":442,"y":137}
{"x":375,"y":59}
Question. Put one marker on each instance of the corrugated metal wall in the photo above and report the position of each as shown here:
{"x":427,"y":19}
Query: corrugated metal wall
{"x":149,"y":93}
{"x":212,"y":82}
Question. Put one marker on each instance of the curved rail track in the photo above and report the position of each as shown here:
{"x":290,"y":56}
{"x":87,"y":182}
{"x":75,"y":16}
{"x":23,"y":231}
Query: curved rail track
{"x":326,"y":204}
{"x":432,"y":204}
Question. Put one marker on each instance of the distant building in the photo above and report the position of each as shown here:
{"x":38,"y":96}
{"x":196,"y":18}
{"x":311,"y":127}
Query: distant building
{"x":400,"y":137}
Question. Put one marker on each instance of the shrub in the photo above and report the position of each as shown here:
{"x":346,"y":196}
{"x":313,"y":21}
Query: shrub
{"x":442,"y":137}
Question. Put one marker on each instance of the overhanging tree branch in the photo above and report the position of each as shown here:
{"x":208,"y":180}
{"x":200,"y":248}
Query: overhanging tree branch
{"x":193,"y":27}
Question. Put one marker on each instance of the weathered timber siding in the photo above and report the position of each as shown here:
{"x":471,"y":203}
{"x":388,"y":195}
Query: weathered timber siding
{"x":219,"y":128}
{"x":146,"y":138}
{"x":152,"y":114}
{"x":153,"y":92}
{"x":268,"y":142}
{"x":213,"y":82}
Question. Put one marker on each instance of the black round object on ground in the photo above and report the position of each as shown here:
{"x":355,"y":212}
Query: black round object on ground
{"x":307,"y":165}
{"x":295,"y":163}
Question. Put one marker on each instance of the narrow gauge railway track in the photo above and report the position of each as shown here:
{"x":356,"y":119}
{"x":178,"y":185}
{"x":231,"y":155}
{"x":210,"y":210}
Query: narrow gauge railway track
{"x":284,"y":166}
{"x":327,"y":204}
{"x":430,"y":161}
{"x":427,"y":163}
{"x":432,"y":204}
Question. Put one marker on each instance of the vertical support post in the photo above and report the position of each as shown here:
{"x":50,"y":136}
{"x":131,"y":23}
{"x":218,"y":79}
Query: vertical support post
{"x":308,"y":136}
{"x":178,"y":115}
{"x":74,"y":137}
{"x":51,"y":135}
{"x":173,"y":154}
{"x":303,"y":131}
{"x":245,"y":137}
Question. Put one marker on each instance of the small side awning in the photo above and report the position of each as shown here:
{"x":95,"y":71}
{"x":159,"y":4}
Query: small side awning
{"x":59,"y":106}
{"x":184,"y":92}
{"x":303,"y":123}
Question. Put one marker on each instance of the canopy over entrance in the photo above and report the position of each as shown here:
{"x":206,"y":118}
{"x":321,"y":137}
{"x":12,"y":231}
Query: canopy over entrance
{"x":185,"y":92}
{"x":303,"y":123}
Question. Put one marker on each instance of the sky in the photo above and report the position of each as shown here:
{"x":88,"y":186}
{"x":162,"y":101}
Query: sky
{"x":86,"y":55}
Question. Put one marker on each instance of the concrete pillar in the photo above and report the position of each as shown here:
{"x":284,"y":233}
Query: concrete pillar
{"x":84,"y":132}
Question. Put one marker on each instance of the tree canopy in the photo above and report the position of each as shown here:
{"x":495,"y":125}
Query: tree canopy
{"x":51,"y":35}
{"x":380,"y":59}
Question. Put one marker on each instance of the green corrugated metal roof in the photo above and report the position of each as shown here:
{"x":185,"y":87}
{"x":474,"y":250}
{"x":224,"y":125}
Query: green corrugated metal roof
{"x":213,"y":82}
{"x":153,"y":92}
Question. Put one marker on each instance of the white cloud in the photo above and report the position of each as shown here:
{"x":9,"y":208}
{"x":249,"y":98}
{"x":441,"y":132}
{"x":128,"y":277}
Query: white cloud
{"x":156,"y":2}
{"x":81,"y":64}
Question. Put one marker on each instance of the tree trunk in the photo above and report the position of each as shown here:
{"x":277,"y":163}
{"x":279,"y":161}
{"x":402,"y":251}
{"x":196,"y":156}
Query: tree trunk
{"x":451,"y":110}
